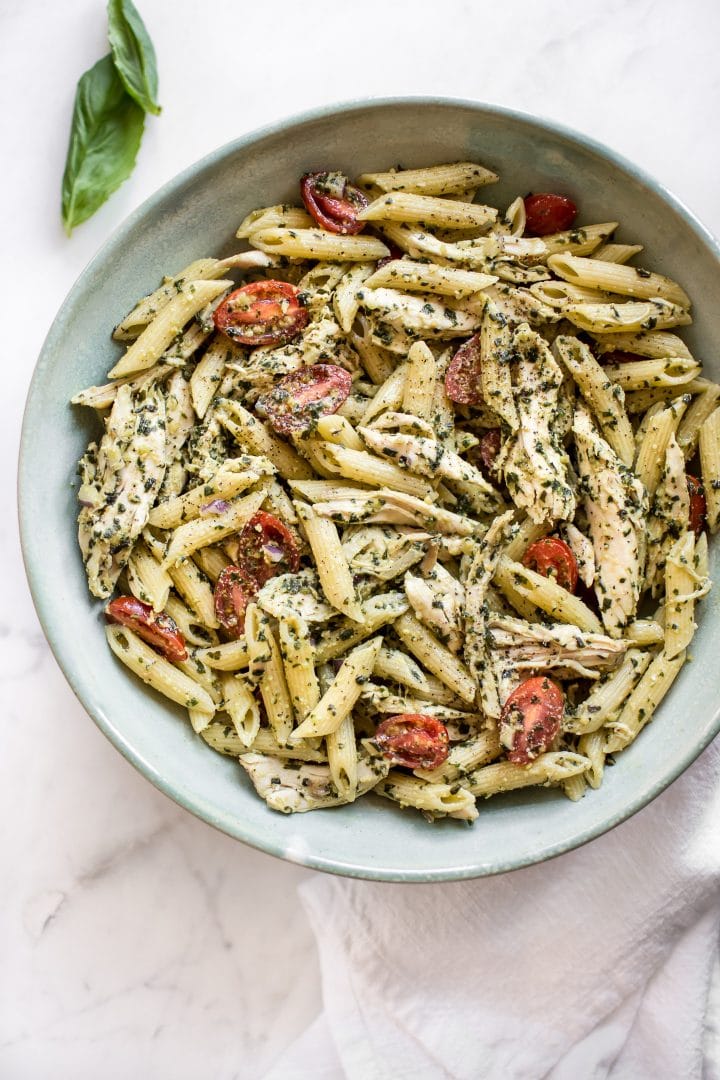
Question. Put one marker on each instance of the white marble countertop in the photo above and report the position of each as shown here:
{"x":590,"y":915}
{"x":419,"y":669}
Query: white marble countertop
{"x":134,"y":940}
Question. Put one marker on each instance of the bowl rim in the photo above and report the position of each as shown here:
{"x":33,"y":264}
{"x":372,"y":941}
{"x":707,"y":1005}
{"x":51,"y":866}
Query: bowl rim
{"x":235,"y":827}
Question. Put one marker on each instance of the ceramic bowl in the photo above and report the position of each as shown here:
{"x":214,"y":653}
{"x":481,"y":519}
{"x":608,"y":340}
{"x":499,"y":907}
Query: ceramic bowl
{"x":195,"y":215}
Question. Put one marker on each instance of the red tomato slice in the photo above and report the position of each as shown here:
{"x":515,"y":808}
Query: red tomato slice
{"x":546,"y":213}
{"x":234,"y":590}
{"x":266,"y":548}
{"x":296,"y":402}
{"x":487,"y":451}
{"x":618,"y":356}
{"x":262,"y":313}
{"x":698,"y":505}
{"x":531,"y":717}
{"x":333,"y":202}
{"x":157,"y":628}
{"x":395,"y":253}
{"x":552,"y":557}
{"x":462,"y":378}
{"x":414,"y":740}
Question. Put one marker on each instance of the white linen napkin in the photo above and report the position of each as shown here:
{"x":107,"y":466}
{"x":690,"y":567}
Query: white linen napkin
{"x":596,"y":964}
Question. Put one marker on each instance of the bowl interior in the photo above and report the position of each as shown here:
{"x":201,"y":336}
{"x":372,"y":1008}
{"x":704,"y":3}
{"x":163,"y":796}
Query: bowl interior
{"x":196,"y":215}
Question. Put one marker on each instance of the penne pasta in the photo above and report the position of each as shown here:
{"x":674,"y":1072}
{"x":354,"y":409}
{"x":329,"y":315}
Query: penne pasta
{"x":159,"y":334}
{"x":615,"y":278}
{"x":710,"y":464}
{"x":435,"y":180}
{"x":314,"y":244}
{"x":423,"y":277}
{"x":412,"y":207}
{"x":339,"y":699}
{"x":626,"y":318}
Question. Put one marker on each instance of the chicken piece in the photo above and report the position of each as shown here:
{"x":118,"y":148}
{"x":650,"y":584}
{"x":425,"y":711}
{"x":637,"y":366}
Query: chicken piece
{"x":426,"y":318}
{"x":404,"y":422}
{"x":384,"y":552}
{"x":430,"y":458}
{"x":583,"y":551}
{"x":295,"y":594}
{"x":120,"y":483}
{"x":293,"y":789}
{"x":388,"y":507}
{"x":179,"y":422}
{"x":438,"y":600}
{"x":533,"y":462}
{"x":568,"y":650}
{"x":616,"y":507}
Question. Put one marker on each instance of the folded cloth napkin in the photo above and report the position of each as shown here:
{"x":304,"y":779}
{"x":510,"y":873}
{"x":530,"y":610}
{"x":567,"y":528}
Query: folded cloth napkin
{"x":596,"y":964}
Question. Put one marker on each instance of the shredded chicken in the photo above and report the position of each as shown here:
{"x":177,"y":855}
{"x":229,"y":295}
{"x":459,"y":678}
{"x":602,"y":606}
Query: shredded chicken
{"x":438,"y":600}
{"x":395,"y":508}
{"x":568,"y":650}
{"x":615,"y":503}
{"x":179,"y":422}
{"x":583,"y":551}
{"x":120,"y":483}
{"x":295,"y":594}
{"x":293,"y":789}
{"x":430,"y":458}
{"x":533,"y":462}
{"x":384,"y":552}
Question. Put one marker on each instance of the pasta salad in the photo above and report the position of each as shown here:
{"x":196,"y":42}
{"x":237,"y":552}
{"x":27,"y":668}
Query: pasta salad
{"x":411,"y":496}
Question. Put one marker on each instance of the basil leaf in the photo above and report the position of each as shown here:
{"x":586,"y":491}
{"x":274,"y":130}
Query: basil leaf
{"x":107,"y":127}
{"x":133,"y":53}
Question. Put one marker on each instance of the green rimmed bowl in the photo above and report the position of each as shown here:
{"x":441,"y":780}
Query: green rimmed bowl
{"x":195,"y":215}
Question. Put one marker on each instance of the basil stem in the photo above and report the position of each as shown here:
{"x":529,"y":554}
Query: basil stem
{"x":107,"y":127}
{"x":133,"y":53}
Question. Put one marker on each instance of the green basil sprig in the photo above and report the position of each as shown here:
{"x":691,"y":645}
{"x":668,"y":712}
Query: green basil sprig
{"x":104,"y":140}
{"x":133,"y":53}
{"x":109,"y":116}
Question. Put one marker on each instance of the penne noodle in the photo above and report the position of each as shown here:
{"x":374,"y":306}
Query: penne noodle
{"x":159,"y":334}
{"x":157,"y":672}
{"x":410,"y":276}
{"x":435,"y":180}
{"x":615,"y":278}
{"x":710,"y":465}
{"x":332,"y":567}
{"x":624,"y":318}
{"x":412,"y":207}
{"x":315,"y":244}
{"x":339,"y":699}
{"x":642,"y":702}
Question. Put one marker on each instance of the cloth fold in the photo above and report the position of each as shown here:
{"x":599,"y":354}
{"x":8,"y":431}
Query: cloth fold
{"x":596,"y":964}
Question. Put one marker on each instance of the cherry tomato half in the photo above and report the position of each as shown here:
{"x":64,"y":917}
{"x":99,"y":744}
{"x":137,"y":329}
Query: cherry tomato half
{"x":487,"y":451}
{"x":619,"y":356}
{"x":234,"y":590}
{"x":547,"y":213}
{"x":266,"y":548}
{"x":333,"y":202}
{"x":395,"y":253}
{"x":262,"y":313}
{"x":462,"y":378}
{"x":300,"y":398}
{"x":531,"y":717}
{"x":157,"y":628}
{"x":414,"y":740}
{"x":552,"y":557}
{"x":698,"y":505}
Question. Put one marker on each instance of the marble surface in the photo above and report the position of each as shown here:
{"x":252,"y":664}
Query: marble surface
{"x":134,"y":940}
